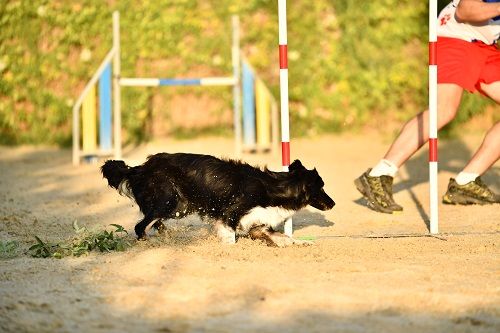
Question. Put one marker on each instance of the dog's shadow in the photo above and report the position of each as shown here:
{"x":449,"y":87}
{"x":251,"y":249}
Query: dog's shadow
{"x":305,"y":218}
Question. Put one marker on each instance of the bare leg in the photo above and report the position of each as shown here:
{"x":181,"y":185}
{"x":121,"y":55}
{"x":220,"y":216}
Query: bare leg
{"x":415,"y":133}
{"x":492,"y":90}
{"x":489,"y":151}
{"x":487,"y":154}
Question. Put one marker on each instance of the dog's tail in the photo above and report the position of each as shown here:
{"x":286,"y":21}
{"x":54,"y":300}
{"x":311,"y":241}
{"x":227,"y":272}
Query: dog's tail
{"x":115,"y":172}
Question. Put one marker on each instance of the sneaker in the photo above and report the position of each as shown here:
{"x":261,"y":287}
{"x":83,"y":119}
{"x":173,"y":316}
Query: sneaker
{"x":377,"y":192}
{"x":475,"y":192}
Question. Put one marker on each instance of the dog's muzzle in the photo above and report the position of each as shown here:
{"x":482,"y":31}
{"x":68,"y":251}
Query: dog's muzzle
{"x":322,"y":202}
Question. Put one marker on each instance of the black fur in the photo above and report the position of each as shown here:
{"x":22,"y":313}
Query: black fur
{"x":176,"y":185}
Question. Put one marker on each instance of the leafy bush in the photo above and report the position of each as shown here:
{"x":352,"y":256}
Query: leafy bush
{"x":83,"y":243}
{"x":349,"y":61}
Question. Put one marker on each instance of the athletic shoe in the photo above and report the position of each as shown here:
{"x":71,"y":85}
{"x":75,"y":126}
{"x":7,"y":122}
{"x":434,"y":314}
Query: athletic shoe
{"x":374,"y":191}
{"x":475,"y":192}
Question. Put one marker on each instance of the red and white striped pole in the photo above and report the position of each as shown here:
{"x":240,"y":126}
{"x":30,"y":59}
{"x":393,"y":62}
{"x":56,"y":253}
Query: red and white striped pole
{"x":433,"y":149}
{"x":285,"y":123}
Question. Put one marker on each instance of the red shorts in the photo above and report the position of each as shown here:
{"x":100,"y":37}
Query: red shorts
{"x":467,"y":63}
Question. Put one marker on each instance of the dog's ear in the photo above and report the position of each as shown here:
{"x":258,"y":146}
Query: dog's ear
{"x":296,"y":165}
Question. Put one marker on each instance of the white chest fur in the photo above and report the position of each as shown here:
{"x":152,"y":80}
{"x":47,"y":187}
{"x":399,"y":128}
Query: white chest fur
{"x":271,"y":216}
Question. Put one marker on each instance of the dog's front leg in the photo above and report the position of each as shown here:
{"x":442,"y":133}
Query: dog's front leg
{"x":140,"y":228}
{"x":262,"y":233}
{"x":225,"y":233}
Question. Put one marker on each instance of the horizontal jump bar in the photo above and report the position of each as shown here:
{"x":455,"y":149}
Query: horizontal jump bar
{"x":149,"y":82}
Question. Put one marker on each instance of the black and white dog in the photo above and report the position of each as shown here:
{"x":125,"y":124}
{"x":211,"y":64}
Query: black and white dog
{"x":240,"y":198}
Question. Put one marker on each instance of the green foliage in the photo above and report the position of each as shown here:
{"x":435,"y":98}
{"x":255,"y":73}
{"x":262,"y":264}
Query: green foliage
{"x":84,"y":242}
{"x":42,"y":249}
{"x":348,"y":60}
{"x":9,"y":249}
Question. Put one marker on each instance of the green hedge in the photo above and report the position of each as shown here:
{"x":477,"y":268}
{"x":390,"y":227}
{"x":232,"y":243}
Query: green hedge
{"x":351,"y":63}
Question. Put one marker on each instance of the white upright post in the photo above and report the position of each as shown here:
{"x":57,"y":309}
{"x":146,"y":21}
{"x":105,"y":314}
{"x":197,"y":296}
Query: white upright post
{"x":285,"y":123}
{"x":117,"y":120}
{"x":433,"y":149}
{"x":235,"y":52}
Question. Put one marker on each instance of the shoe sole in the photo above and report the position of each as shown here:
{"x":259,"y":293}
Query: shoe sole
{"x":359,"y":186}
{"x":460,"y":200}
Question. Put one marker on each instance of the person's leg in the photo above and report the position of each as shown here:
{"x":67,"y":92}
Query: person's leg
{"x":492,"y":90}
{"x":487,"y":154}
{"x":468,"y":187}
{"x":376,"y":184}
{"x":415,"y":133}
{"x":489,"y":151}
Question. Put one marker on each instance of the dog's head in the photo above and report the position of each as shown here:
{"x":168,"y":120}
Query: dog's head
{"x":312,"y":186}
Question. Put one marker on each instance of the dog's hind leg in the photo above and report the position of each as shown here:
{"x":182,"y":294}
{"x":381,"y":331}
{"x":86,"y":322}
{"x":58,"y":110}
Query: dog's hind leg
{"x":140,"y":228}
{"x":159,"y":226}
{"x":164,"y":205}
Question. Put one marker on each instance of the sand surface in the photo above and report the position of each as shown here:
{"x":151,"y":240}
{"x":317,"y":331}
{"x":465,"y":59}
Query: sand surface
{"x":188,"y":282}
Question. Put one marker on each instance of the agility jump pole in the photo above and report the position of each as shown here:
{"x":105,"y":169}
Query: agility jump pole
{"x":433,"y":148}
{"x":236,"y":59}
{"x":107,"y":75}
{"x":85,"y":96}
{"x":285,"y":123}
{"x":116,"y":87}
{"x":259,"y":112}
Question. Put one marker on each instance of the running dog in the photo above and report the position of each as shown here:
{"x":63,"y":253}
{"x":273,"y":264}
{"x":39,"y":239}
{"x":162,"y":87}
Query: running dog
{"x":240,"y":198}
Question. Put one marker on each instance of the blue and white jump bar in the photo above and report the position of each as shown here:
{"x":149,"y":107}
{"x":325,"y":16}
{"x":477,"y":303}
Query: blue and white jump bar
{"x":156,"y":82}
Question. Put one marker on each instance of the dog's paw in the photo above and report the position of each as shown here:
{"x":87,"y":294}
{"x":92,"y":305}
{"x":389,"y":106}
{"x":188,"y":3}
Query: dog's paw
{"x":160,"y":228}
{"x":225,"y":234}
{"x":142,"y":238}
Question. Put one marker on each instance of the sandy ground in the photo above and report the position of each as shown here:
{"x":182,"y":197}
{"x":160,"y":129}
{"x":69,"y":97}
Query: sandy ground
{"x":188,"y":282}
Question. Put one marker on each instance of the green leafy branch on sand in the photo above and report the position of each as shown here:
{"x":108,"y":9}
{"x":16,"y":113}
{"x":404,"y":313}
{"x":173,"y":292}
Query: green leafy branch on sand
{"x":83,"y":242}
